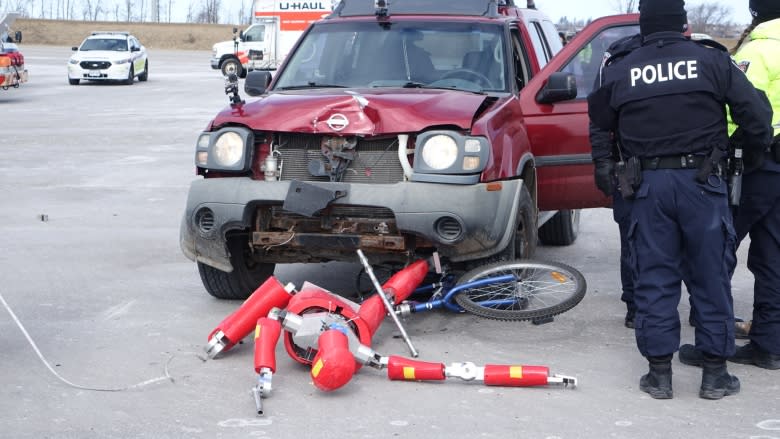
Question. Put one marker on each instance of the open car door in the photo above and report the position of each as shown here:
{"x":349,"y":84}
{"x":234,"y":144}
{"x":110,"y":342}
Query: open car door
{"x":559,"y":131}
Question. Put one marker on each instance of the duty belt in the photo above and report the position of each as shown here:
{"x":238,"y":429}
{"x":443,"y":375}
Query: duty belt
{"x":688,"y":161}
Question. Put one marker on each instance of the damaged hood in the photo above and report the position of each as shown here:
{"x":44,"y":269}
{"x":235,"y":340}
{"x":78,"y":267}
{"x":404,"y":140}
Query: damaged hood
{"x":357,"y":112}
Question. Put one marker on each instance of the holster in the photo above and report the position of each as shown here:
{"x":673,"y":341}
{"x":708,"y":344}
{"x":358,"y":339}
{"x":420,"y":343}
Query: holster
{"x":629,"y":176}
{"x":710,"y":167}
{"x":775,"y":149}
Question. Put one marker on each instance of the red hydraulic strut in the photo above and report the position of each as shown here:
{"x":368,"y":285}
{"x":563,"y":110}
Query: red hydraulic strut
{"x":266,"y":336}
{"x":236,"y":326}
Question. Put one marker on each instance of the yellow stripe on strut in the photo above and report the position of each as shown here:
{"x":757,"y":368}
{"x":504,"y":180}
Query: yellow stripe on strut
{"x":408,"y":373}
{"x":317,"y":368}
{"x":516,"y":372}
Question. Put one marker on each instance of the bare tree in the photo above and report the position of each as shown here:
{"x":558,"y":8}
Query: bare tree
{"x":129,"y":10}
{"x":19,"y":6}
{"x":710,"y":18}
{"x":209,"y":12}
{"x":625,"y":6}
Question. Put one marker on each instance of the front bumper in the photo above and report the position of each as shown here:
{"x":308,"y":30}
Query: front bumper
{"x":116,"y":72}
{"x":486,"y":217}
{"x":215,"y":63}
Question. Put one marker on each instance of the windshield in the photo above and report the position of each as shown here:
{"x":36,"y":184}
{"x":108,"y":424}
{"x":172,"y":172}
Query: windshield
{"x":113,"y":44}
{"x":456,"y":55}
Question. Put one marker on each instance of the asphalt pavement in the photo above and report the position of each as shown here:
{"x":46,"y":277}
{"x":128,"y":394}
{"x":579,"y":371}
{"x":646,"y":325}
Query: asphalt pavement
{"x":93,"y":182}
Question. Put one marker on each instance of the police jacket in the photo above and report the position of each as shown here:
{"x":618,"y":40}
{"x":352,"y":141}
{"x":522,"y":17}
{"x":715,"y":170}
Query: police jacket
{"x":760,"y":61}
{"x":669,"y":97}
{"x":602,"y":141}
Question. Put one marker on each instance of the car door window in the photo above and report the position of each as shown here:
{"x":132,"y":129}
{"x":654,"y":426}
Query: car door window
{"x":255,"y":34}
{"x":520,"y":62}
{"x":542,"y":50}
{"x":585,"y":65}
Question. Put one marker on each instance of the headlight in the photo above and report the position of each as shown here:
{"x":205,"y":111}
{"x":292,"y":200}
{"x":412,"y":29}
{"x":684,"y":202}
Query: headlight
{"x":440,"y":152}
{"x":444,"y":156}
{"x":229,"y":149}
{"x":73,"y":61}
{"x":122,"y":61}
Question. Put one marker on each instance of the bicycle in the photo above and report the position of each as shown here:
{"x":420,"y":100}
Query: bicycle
{"x":517,"y":290}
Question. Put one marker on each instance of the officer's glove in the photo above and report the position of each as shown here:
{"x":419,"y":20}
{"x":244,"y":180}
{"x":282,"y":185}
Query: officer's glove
{"x":605,"y":176}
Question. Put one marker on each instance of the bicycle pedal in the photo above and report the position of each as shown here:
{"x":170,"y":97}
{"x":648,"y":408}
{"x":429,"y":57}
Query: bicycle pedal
{"x":542,"y":321}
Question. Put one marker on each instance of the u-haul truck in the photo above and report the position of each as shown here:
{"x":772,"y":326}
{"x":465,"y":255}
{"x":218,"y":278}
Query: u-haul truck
{"x":276,"y":26}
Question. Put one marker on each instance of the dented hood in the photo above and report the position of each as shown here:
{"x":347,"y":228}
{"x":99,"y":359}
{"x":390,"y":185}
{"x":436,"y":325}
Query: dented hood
{"x":353,"y":111}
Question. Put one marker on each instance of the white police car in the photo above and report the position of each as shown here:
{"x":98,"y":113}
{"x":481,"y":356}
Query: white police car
{"x":109,"y":56}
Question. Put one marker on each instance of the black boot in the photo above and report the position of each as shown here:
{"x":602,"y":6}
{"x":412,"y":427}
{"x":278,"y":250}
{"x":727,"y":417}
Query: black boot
{"x":630,"y":314}
{"x":716,"y":382}
{"x":658,"y":381}
{"x":688,"y":354}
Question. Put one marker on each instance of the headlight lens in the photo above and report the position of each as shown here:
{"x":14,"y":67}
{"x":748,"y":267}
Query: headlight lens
{"x":440,"y":152}
{"x":226,"y":150}
{"x":229,"y":149}
{"x":73,"y":61}
{"x":122,"y":61}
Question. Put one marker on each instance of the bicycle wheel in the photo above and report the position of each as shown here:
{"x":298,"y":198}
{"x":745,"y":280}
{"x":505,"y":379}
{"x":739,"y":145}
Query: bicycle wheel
{"x":542,"y":289}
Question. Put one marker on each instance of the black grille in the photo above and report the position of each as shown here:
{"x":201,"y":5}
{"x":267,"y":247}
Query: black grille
{"x":94,"y":65}
{"x":376,"y":162}
{"x":343,"y":211}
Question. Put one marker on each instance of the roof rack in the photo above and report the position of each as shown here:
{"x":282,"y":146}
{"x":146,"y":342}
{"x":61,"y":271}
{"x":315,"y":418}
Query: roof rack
{"x":109,"y":32}
{"x":384,"y":8}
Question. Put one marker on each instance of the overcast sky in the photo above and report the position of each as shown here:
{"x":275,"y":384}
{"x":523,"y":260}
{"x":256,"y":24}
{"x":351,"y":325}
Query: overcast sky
{"x":599,"y":8}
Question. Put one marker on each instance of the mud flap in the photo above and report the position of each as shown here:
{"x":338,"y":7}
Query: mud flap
{"x":307,"y":199}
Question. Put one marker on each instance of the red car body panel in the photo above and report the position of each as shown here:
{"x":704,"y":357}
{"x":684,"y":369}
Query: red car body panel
{"x":377,"y":111}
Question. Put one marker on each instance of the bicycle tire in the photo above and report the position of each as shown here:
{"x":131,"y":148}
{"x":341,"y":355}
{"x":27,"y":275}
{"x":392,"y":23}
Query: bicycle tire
{"x":544,"y":289}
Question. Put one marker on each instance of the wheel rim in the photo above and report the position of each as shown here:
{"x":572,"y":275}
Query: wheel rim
{"x":230,"y":68}
{"x":539,"y":287}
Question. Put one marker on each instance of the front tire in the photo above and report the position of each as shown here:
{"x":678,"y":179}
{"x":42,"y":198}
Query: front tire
{"x":542,"y":289}
{"x":130,"y":76}
{"x":231,"y":65}
{"x":73,"y":81}
{"x":145,"y":75}
{"x":240,"y":283}
{"x":522,"y":244}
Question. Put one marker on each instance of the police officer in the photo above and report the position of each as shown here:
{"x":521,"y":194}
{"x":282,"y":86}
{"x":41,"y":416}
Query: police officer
{"x":758,"y":213}
{"x":605,"y":154}
{"x":666,"y":101}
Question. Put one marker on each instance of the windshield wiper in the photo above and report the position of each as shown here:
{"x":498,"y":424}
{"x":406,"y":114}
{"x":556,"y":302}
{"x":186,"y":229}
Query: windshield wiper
{"x":311,"y":85}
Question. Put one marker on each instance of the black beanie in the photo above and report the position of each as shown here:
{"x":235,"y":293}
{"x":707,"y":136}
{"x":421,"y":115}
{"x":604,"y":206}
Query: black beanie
{"x":662,"y":16}
{"x":765,"y":10}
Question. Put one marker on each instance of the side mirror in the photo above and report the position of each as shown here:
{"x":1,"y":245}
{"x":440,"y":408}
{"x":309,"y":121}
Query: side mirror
{"x":241,"y":35}
{"x":135,"y":49}
{"x":18,"y":36}
{"x":74,"y":48}
{"x":257,"y":82}
{"x":560,"y":87}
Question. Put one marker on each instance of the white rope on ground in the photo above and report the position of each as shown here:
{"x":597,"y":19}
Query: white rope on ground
{"x":165,"y":377}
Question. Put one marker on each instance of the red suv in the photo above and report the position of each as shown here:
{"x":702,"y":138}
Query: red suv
{"x":401,"y":129}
